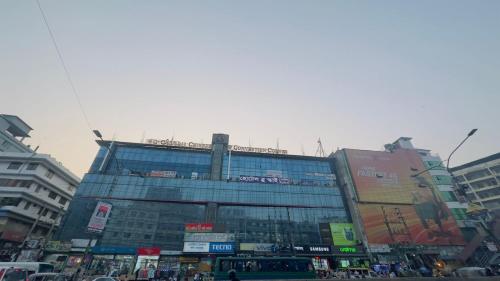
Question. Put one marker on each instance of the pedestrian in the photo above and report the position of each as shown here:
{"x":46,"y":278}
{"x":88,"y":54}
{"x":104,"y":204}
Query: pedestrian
{"x":232,"y":276}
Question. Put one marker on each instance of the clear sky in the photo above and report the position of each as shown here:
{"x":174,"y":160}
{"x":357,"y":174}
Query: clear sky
{"x":358,"y":74}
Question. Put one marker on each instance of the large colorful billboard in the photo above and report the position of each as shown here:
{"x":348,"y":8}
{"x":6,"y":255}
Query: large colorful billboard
{"x":396,"y":206}
{"x":343,"y":234}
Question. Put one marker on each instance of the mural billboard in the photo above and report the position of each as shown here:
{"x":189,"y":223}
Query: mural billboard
{"x":397,"y":207}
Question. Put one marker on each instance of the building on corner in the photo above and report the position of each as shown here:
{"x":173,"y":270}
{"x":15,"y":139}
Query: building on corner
{"x":174,"y":204}
{"x":35,"y":190}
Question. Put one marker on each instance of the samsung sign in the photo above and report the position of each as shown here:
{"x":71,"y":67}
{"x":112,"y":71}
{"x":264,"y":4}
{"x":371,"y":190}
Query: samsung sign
{"x":312,"y":249}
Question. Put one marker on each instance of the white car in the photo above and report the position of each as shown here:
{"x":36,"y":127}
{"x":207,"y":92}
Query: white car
{"x":106,"y":278}
{"x":48,"y":277}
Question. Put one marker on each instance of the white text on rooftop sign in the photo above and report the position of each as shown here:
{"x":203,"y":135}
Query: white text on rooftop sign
{"x":167,"y":142}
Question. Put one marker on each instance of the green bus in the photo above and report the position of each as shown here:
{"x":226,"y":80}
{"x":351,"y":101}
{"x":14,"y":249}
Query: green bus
{"x":254,"y":268}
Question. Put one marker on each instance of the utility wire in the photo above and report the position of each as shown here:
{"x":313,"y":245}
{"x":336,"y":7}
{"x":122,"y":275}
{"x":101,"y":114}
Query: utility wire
{"x":68,"y":76}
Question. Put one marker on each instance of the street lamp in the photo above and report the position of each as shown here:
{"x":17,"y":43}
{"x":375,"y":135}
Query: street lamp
{"x":472,"y":132}
{"x":468,"y":136}
{"x":97,"y":134}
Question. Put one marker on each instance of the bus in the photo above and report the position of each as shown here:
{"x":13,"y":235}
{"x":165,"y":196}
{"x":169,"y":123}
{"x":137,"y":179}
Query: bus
{"x":254,"y":268}
{"x":31,"y":267}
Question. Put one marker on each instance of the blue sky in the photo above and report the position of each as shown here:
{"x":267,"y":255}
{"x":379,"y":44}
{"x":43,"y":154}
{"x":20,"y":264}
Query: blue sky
{"x":358,"y":74}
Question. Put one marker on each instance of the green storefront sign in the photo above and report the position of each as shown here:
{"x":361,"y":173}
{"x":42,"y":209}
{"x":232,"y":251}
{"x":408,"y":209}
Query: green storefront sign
{"x":348,"y":250}
{"x":343,"y":234}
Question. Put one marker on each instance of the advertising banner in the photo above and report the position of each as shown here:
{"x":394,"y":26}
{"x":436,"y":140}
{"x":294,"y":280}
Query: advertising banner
{"x":114,"y":250}
{"x":312,"y":249}
{"x":82,"y":243}
{"x":379,"y":248}
{"x":343,"y":234}
{"x":422,"y":224}
{"x":268,"y":180}
{"x":199,"y":227}
{"x":148,"y":251}
{"x":220,"y":247}
{"x":99,"y":217}
{"x":396,"y":206}
{"x":257,"y":247}
{"x":347,"y":250}
{"x":386,"y":177}
{"x":163,"y":174}
{"x":58,"y":246}
{"x":208,"y":237}
{"x":196,"y":247}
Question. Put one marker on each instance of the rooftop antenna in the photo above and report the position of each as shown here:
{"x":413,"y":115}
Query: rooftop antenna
{"x":278,"y":144}
{"x":320,"y":151}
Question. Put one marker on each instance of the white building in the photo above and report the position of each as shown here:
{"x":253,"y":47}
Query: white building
{"x":13,"y":131}
{"x":481,"y":181}
{"x":35,"y":189}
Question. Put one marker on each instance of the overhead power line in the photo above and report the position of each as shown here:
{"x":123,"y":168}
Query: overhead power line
{"x":68,"y":76}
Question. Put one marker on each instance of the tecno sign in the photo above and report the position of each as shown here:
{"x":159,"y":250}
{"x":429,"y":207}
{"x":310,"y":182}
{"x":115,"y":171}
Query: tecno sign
{"x":221,"y":247}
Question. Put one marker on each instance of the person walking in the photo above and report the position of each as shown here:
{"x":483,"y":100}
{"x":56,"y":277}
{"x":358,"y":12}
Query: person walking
{"x":232,"y":276}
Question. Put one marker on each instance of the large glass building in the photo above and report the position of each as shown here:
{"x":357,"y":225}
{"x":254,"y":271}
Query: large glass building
{"x":163,"y":195}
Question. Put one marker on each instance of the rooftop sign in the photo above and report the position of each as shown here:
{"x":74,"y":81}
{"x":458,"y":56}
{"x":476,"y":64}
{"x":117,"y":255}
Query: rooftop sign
{"x":173,"y":143}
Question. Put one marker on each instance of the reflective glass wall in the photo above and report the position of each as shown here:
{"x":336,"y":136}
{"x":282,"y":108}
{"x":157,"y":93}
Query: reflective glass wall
{"x":151,"y":211}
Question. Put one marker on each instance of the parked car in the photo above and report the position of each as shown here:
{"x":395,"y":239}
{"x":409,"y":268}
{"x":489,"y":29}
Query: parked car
{"x":13,"y":274}
{"x":106,"y":278}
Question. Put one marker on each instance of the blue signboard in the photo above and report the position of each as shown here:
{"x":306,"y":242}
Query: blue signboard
{"x":221,"y":247}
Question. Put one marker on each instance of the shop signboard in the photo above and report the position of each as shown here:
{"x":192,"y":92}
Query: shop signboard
{"x":343,"y":234}
{"x":208,"y":237}
{"x":163,"y":174}
{"x":99,"y":217}
{"x":196,"y":247}
{"x":379,"y":248}
{"x":170,"y":253}
{"x":256,"y":247}
{"x":114,"y":250}
{"x":347,"y":250}
{"x":221,"y":247}
{"x":58,"y":246}
{"x":199,"y":227}
{"x":189,"y":260}
{"x":148,"y":251}
{"x":82,"y":243}
{"x":312,"y":249}
{"x":268,"y":180}
{"x":388,"y":191}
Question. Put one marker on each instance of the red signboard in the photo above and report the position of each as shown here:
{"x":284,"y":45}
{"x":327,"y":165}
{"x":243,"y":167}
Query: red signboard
{"x":199,"y":227}
{"x":152,"y":251}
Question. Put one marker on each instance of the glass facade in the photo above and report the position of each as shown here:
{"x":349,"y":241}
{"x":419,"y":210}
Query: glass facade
{"x":152,"y":211}
{"x":297,"y":171}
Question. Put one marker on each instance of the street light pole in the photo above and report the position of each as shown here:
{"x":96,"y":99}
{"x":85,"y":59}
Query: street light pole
{"x":472,"y":132}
